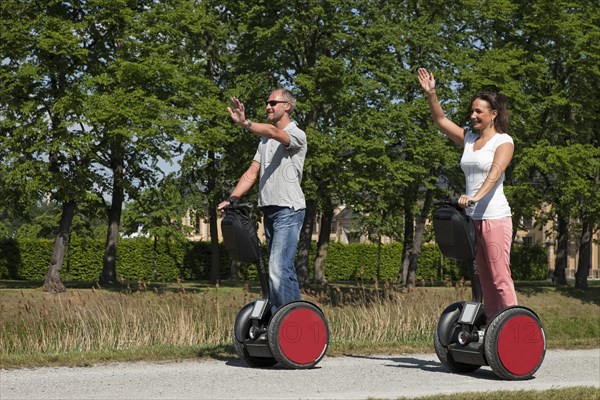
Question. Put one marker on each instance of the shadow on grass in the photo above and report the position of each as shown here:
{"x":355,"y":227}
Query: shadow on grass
{"x":591,"y":295}
{"x":533,"y":288}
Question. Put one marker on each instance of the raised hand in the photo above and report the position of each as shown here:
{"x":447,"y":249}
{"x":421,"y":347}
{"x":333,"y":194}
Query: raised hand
{"x":426,"y":80}
{"x":237,"y":111}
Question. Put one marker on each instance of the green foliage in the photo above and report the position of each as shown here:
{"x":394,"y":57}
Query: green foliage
{"x":91,"y":86}
{"x":138,"y":259}
{"x":197,"y":261}
{"x":84,"y":259}
{"x":33,"y":257}
{"x":358,"y":261}
{"x":529,"y":263}
{"x":566,"y":176}
{"x":10,"y":259}
{"x":433,"y":267}
{"x":4,"y":233}
{"x":165,"y":222}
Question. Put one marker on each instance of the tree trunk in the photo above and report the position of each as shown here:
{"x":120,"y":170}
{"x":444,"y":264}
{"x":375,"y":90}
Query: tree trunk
{"x":215,"y":255}
{"x":305,"y":241}
{"x":214,"y":246}
{"x":323,"y":244}
{"x":559,"y":277}
{"x":585,"y":255}
{"x":52,"y":282}
{"x":415,"y":250}
{"x":409,"y":230}
{"x":379,"y":248}
{"x":516,"y":221}
{"x":108,"y":276}
{"x":154,"y":257}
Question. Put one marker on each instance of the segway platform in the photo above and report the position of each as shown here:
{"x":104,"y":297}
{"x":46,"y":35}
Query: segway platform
{"x":512,"y":343}
{"x":295,"y":335}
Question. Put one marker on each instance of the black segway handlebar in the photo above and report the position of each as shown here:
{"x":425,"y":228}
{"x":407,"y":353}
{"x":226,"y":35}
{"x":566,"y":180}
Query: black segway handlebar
{"x":234,"y":205}
{"x":451,"y":203}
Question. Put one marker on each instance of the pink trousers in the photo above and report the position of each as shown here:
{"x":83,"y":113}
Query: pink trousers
{"x":494,"y":239}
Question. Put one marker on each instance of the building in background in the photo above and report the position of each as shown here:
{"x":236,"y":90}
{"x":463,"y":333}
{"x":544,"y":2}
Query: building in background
{"x":533,"y":233}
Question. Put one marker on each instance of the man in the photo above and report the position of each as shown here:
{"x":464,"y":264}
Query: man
{"x":277,"y":165}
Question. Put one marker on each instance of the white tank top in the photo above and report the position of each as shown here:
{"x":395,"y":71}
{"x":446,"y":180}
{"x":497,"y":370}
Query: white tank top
{"x":476,"y":165}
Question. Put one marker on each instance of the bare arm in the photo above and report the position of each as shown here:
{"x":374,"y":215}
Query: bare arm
{"x":269,"y":131}
{"x":450,"y":129}
{"x":238,"y":115}
{"x":244,"y":184}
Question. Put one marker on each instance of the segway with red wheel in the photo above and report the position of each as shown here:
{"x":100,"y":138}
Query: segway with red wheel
{"x":295,"y":335}
{"x":512,"y":343}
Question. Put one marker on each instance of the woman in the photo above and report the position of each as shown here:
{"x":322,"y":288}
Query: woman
{"x":487,"y":152}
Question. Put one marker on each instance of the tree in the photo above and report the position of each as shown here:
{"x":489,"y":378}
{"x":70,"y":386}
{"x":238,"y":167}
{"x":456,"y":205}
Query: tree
{"x":132,"y":105}
{"x":431,"y":34}
{"x":94,"y":94}
{"x":157,"y":213}
{"x":48,"y":152}
{"x":335,"y":56}
{"x":567,"y":177}
{"x":293,"y":46}
{"x":556,"y":111}
{"x":214,"y":150}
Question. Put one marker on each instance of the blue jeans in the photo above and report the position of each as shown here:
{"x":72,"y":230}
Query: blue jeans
{"x":282,"y":230}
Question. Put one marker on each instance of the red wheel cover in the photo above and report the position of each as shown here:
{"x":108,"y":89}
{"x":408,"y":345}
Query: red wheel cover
{"x":302,"y":336}
{"x":521,"y":345}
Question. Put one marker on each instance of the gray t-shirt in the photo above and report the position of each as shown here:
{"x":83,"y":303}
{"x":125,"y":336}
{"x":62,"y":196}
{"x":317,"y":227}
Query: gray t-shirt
{"x":281,"y":170}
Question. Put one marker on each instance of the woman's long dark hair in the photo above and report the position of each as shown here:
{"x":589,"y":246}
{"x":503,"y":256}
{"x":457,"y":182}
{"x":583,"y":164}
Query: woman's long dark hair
{"x":498,"y":102}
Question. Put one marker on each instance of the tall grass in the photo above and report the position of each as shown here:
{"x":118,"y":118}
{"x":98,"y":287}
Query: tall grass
{"x":39,"y":327}
{"x":93,"y":320}
{"x":79,"y":321}
{"x":386,"y":315}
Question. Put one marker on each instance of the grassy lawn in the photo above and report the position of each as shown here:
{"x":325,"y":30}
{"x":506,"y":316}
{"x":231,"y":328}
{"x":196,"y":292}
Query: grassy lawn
{"x":88,"y":325}
{"x":575,"y":393}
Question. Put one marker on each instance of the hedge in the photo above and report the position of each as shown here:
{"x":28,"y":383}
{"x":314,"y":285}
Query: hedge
{"x":529,"y":262}
{"x":143,"y":259}
{"x":358,"y":261}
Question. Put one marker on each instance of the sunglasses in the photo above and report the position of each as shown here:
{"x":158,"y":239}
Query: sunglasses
{"x":273,"y":103}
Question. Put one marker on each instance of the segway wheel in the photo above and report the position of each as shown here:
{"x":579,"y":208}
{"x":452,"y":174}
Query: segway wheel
{"x":242,"y":326}
{"x":298,"y":335}
{"x":448,"y":327}
{"x":515,"y":344}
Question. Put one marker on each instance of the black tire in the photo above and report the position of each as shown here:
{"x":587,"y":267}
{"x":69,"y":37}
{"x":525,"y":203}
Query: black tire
{"x":447,"y":326}
{"x":515,"y":344}
{"x":298,"y":335}
{"x":243,"y":324}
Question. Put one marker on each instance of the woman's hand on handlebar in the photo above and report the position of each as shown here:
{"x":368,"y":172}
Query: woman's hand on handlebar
{"x":466,"y":201}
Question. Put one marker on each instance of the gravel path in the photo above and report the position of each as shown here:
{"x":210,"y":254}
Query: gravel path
{"x":347,"y":377}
